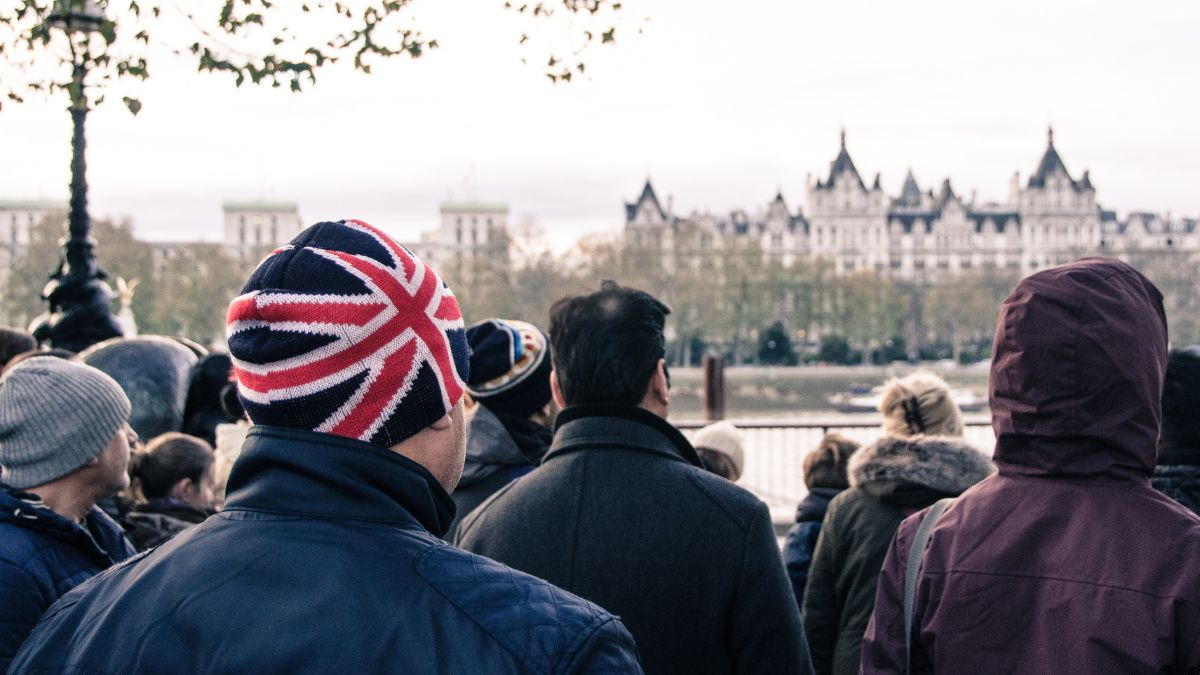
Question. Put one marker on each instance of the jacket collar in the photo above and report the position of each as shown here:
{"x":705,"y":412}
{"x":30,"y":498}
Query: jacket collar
{"x":815,"y":504}
{"x":611,"y":425}
{"x":306,"y":473}
{"x":172,"y":507}
{"x":489,"y":447}
{"x":99,"y":537}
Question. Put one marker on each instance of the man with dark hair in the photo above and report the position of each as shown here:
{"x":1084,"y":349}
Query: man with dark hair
{"x":351,"y":359}
{"x":622,"y":513}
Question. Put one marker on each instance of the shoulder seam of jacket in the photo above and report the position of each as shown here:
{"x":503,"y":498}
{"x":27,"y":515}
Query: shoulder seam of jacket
{"x":578,"y":519}
{"x":585,"y":635}
{"x":703,"y":489}
{"x":523,"y":659}
{"x":1082,"y":582}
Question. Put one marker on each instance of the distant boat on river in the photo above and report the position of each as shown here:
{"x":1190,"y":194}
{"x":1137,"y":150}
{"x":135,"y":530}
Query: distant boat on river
{"x":866,"y":398}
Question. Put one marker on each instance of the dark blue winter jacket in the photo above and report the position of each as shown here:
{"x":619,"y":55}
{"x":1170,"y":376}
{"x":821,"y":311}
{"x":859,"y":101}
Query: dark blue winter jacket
{"x":801,"y":539}
{"x":323,"y":561}
{"x":42,"y":556}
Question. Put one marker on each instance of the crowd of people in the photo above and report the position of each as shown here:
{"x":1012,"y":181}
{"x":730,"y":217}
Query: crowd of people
{"x":418,"y":495}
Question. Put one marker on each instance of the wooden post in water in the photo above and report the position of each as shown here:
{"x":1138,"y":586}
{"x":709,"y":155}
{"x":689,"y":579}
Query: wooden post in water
{"x":714,"y":387}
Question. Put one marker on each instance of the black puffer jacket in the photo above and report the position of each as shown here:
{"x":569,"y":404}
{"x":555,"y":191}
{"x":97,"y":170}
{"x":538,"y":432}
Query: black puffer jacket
{"x":889,"y":480}
{"x":150,"y":523}
{"x":323,"y":562}
{"x":801,"y":539}
{"x":1177,"y":475}
{"x":42,"y":556}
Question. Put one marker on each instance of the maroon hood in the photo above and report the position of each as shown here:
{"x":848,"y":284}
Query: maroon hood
{"x":1077,"y":372}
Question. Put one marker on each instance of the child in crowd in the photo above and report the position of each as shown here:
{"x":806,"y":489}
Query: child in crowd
{"x":825,"y":477}
{"x":720,"y":446}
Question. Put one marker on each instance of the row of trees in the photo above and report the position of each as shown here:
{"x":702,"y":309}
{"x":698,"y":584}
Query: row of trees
{"x":753,"y":311}
{"x":757,"y":311}
{"x":730,"y":301}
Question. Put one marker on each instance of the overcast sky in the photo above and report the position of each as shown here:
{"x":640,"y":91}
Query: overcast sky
{"x":719,"y":102}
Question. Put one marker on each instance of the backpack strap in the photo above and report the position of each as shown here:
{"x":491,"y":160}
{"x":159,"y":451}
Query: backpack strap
{"x":912,"y":572}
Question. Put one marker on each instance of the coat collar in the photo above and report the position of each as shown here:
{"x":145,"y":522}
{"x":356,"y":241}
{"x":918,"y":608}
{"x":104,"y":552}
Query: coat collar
{"x":941,"y":464}
{"x":306,"y":473}
{"x":489,"y":448}
{"x":611,"y":425}
{"x":815,"y":504}
{"x":99,"y":537}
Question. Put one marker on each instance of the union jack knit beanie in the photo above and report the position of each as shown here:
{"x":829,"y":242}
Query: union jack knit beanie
{"x":343,"y":331}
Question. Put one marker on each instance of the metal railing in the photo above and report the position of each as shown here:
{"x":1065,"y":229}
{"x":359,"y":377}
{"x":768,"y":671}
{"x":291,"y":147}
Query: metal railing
{"x":775,"y":450}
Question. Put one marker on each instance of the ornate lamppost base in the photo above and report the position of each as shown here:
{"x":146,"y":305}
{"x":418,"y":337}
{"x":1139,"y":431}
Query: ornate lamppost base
{"x":80,"y":312}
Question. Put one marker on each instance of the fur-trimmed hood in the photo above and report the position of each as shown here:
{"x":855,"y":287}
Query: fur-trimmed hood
{"x":940,"y":463}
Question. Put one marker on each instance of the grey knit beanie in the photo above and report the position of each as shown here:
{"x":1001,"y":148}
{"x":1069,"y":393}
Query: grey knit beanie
{"x":55,"y":416}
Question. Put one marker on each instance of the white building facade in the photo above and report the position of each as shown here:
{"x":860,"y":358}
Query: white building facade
{"x":17,"y":219}
{"x":252,"y":229}
{"x":1050,"y":219}
{"x":467,"y":233}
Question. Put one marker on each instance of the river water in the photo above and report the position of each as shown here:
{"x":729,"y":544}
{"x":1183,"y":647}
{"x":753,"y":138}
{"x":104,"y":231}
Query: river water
{"x":774,"y":455}
{"x":799,"y":392}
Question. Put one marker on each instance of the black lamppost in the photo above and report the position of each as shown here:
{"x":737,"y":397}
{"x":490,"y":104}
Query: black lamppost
{"x":80,"y":312}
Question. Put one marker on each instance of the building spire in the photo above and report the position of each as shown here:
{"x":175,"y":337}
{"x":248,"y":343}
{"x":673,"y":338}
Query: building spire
{"x":843,"y":138}
{"x":1050,"y":134}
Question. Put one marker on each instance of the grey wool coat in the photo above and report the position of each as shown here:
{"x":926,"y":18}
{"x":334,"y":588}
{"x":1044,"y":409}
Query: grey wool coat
{"x":621,"y":513}
{"x":889,"y":480}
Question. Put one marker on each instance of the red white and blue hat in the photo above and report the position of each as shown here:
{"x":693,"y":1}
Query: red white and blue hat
{"x":343,"y":331}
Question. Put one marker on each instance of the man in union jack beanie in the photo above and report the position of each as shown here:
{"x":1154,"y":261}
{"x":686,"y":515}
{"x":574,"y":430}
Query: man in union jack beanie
{"x":351,"y":363}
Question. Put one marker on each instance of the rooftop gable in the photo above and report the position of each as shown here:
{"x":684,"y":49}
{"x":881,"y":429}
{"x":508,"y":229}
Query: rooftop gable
{"x":647,"y":196}
{"x":842,"y":165}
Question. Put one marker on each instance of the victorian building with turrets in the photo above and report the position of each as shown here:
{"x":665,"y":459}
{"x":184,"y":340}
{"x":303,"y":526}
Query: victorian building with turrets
{"x":919,"y":234}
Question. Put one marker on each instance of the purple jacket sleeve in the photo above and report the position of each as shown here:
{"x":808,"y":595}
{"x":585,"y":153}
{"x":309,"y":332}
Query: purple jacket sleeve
{"x":883,"y":648}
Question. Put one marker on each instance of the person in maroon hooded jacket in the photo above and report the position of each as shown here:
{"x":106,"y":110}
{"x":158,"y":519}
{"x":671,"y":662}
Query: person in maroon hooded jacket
{"x":1067,"y":560}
